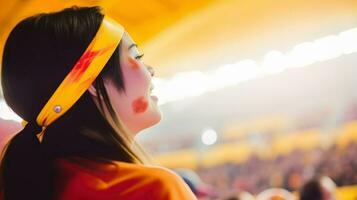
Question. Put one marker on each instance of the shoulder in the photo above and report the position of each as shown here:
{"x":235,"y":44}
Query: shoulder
{"x":165,"y":184}
{"x":119,"y":180}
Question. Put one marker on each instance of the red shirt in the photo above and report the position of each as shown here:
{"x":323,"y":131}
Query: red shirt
{"x":119,"y":180}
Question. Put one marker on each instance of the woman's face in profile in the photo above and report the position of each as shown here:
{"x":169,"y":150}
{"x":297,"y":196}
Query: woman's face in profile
{"x":136,"y":107}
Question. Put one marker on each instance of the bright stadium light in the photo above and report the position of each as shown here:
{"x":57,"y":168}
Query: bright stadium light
{"x":209,"y":137}
{"x":348,"y":40}
{"x":327,"y":48}
{"x":274,"y":62}
{"x":194,"y":83}
{"x":232,"y":74}
{"x":302,"y":55}
{"x":188,"y":84}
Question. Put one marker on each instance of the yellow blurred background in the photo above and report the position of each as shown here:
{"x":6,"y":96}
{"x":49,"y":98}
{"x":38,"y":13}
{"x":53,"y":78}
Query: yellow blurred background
{"x":239,"y":79}
{"x":180,"y":35}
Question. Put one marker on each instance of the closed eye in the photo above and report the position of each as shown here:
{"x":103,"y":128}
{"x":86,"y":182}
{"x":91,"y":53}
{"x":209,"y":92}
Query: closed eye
{"x":139,"y":56}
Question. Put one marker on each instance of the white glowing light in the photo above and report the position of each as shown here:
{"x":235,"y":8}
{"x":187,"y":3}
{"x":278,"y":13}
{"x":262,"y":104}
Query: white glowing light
{"x":348,"y":40}
{"x":302,"y":54}
{"x":274,"y":62}
{"x":232,"y":74}
{"x":209,"y":137}
{"x":195,"y":83}
{"x":6,"y":113}
{"x":188,"y":84}
{"x":327,"y":48}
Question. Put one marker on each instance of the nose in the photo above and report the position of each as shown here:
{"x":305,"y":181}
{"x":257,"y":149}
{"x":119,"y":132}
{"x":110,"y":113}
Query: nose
{"x":151,"y":70}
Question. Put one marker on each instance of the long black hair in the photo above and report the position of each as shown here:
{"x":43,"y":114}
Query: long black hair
{"x":39,"y":52}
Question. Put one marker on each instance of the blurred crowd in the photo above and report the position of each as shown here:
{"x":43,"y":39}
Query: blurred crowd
{"x":289,"y":171}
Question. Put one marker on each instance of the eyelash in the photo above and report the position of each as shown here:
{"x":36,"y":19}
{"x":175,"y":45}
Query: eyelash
{"x":139,"y":56}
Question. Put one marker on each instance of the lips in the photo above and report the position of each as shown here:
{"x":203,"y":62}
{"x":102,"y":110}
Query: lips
{"x":155,"y":98}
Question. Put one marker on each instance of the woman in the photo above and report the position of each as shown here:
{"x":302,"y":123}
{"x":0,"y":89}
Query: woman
{"x":77,"y":79}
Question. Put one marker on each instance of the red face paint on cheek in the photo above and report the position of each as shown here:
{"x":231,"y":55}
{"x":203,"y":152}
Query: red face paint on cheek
{"x":134,"y":63}
{"x":140,"y":105}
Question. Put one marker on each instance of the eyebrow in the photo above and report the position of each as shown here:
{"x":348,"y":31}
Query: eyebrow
{"x":132,"y":45}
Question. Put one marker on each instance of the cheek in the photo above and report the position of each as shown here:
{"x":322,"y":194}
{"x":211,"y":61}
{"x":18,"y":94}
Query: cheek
{"x":139,"y":105}
{"x":134,"y":64}
{"x":136,"y":78}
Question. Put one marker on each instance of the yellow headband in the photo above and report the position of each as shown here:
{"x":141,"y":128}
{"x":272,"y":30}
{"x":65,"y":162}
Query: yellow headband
{"x":85,"y":71}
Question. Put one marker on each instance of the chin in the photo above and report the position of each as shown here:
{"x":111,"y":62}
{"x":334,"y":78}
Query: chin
{"x":154,"y":119}
{"x":151,"y":120}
